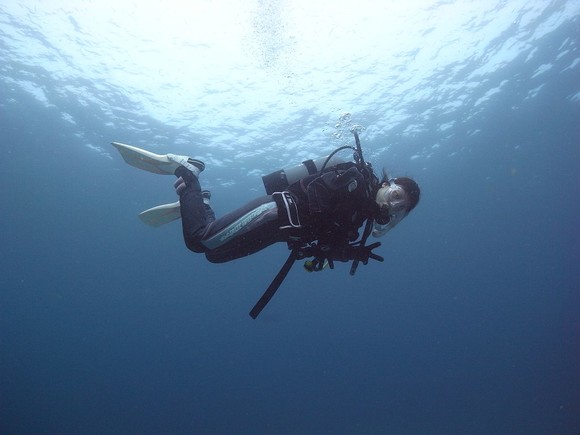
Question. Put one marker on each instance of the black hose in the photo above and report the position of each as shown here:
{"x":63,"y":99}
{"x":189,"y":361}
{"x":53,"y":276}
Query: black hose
{"x":332,"y":154}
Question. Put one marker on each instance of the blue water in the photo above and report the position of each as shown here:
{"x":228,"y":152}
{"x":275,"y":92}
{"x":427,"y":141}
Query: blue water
{"x":471,"y":326}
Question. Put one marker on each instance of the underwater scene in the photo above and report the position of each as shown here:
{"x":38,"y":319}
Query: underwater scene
{"x":470,"y":325}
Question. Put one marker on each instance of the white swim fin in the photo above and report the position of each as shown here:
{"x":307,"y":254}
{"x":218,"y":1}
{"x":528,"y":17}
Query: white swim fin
{"x":161,"y":215}
{"x":164,"y":164}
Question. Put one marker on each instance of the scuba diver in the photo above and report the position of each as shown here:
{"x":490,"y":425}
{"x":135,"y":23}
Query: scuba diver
{"x":318,"y":208}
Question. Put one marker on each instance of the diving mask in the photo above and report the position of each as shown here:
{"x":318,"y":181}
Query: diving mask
{"x":393,"y":202}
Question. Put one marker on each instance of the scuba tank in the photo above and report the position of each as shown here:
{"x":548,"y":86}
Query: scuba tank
{"x":278,"y":181}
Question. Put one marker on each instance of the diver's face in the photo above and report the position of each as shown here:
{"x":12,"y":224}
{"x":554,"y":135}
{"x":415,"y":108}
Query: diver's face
{"x":393,"y":202}
{"x":392,"y":196}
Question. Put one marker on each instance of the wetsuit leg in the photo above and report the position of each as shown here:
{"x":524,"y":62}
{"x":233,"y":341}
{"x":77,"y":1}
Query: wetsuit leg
{"x":195,"y":215}
{"x":237,"y":234}
{"x":244,"y":231}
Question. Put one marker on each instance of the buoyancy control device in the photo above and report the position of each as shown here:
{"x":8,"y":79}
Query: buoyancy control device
{"x":280,"y":180}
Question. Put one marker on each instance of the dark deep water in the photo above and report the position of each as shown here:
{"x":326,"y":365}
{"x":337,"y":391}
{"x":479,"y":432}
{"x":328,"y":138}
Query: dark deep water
{"x":471,"y":326}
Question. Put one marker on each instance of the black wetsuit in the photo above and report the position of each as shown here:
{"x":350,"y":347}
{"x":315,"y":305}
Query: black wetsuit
{"x":329,"y":208}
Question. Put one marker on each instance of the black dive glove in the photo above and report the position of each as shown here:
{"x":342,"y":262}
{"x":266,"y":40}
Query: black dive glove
{"x":364,"y":253}
{"x":324,"y":255}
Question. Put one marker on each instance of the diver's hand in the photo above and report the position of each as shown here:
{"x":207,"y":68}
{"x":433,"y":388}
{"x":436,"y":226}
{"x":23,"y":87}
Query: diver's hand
{"x":179,"y":186}
{"x":322,"y":257}
{"x":364,"y":253}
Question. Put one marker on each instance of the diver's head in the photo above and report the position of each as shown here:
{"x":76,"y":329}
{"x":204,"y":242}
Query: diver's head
{"x":396,"y":198}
